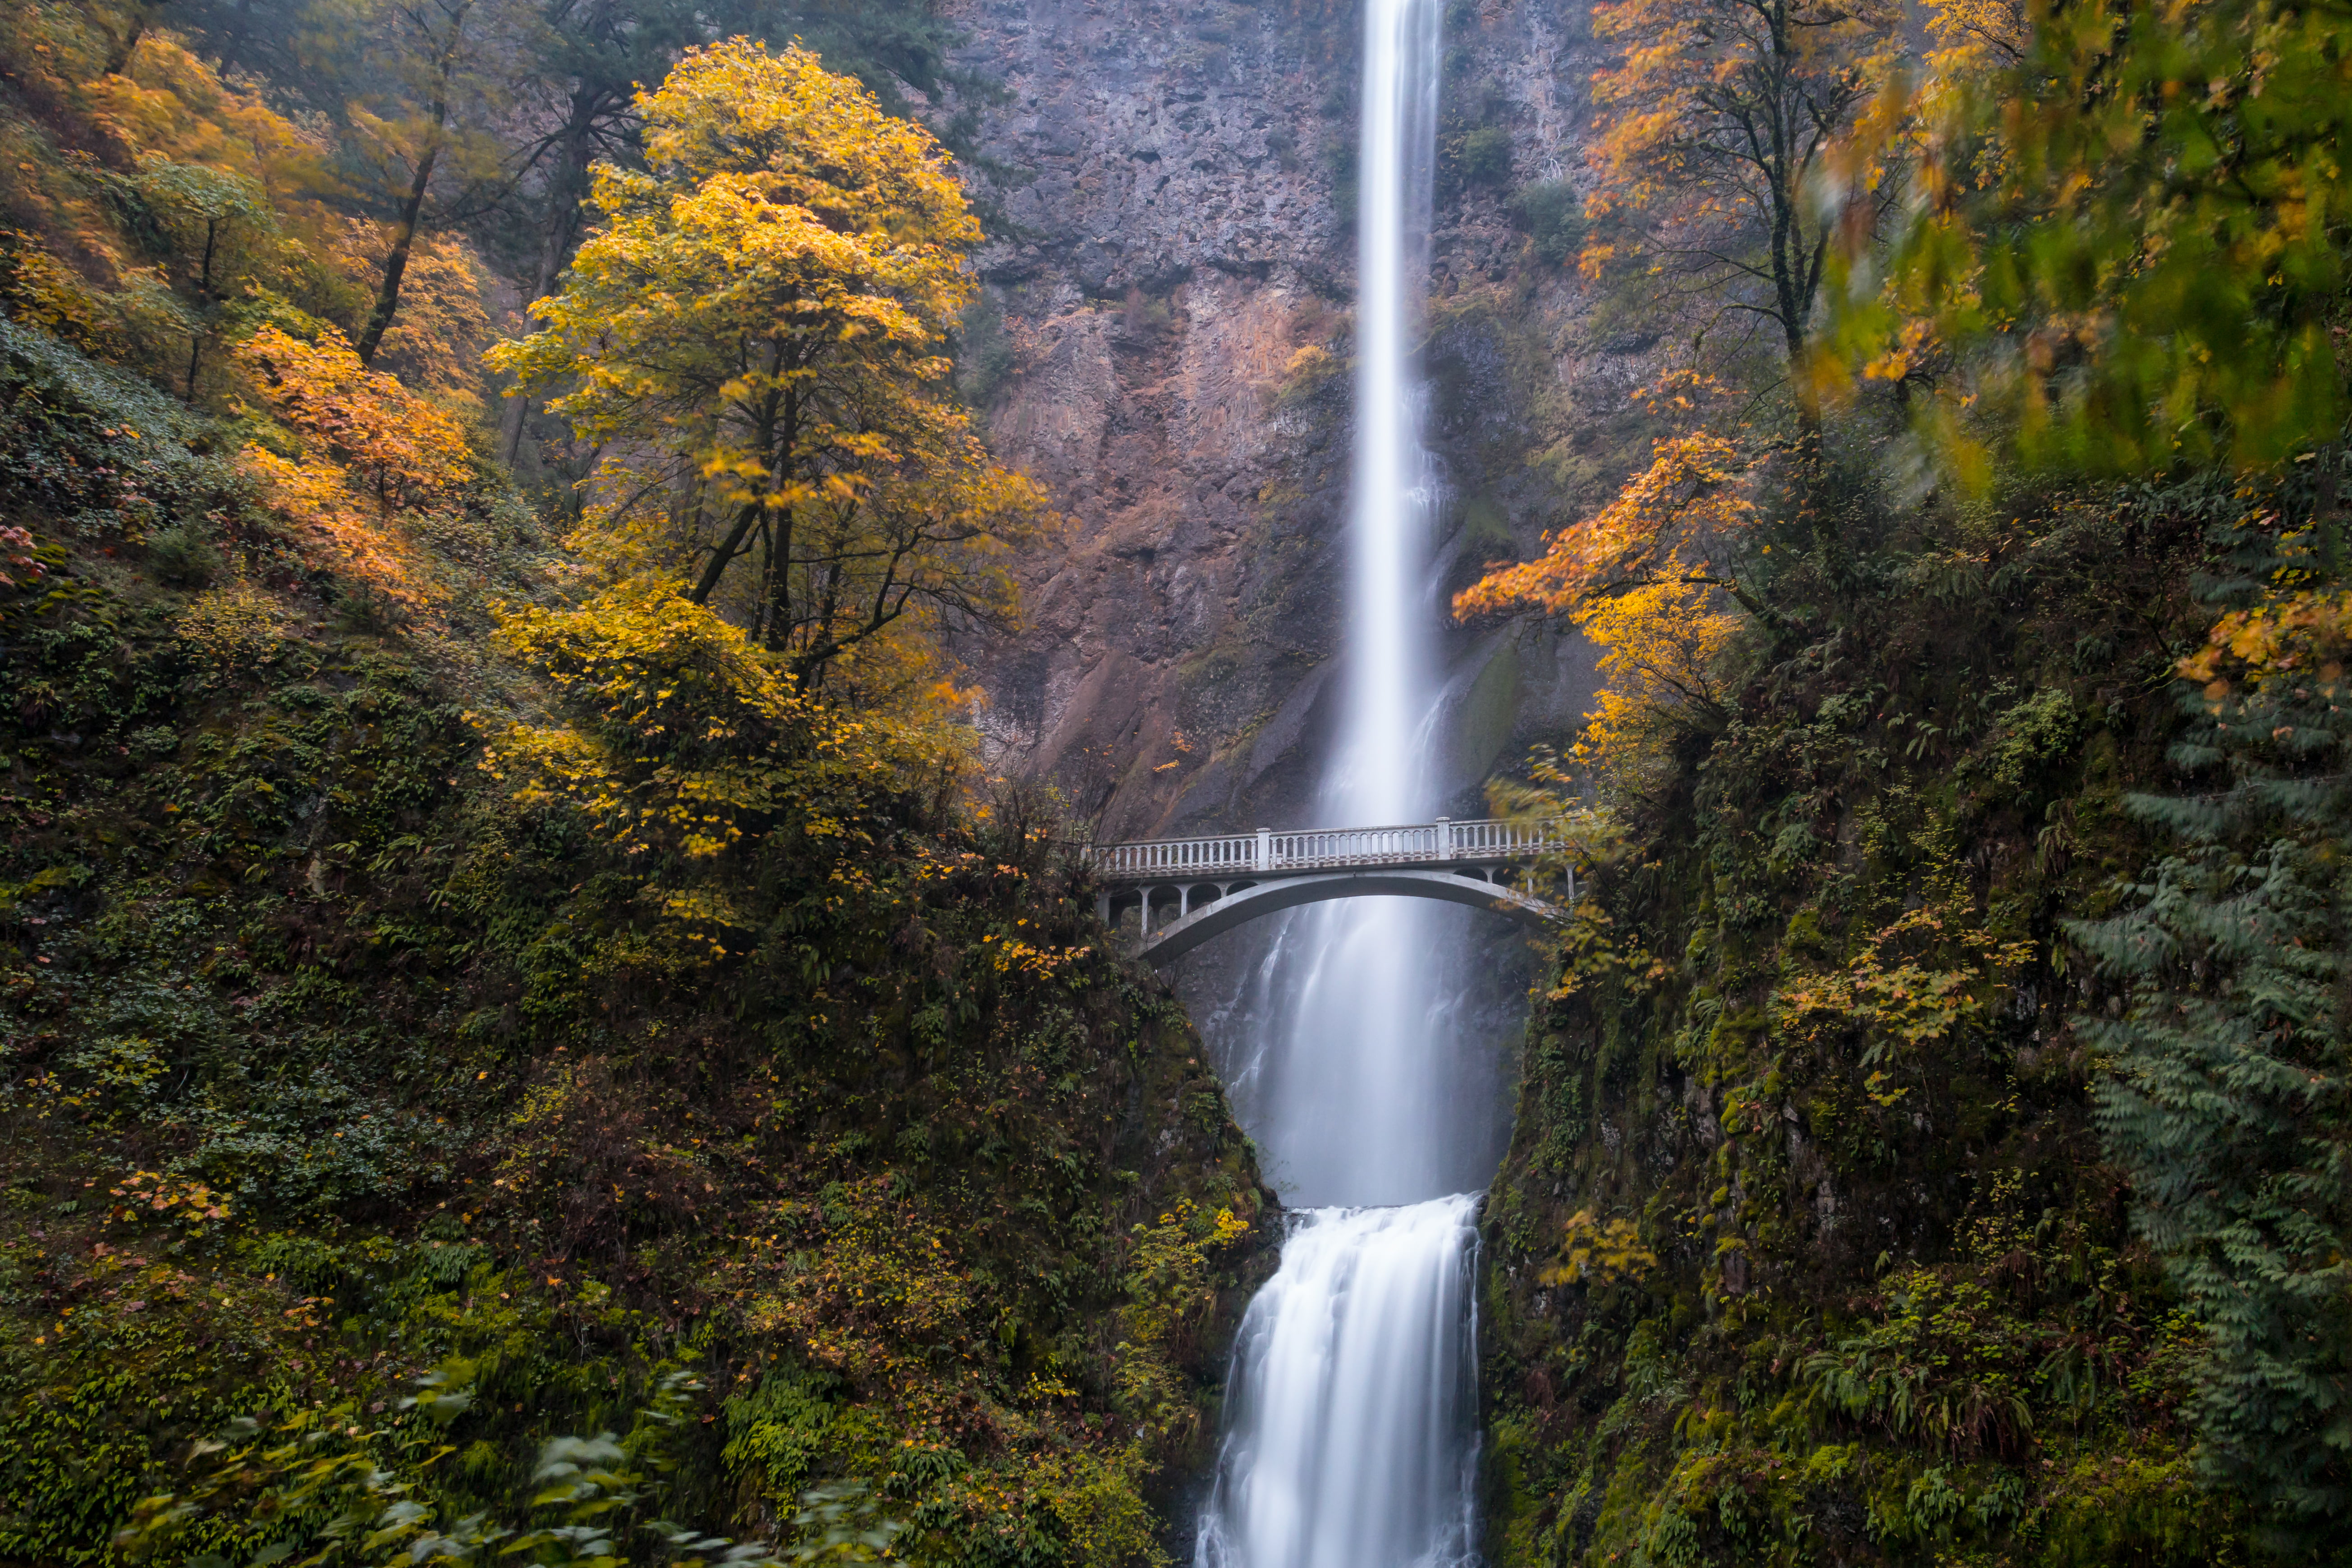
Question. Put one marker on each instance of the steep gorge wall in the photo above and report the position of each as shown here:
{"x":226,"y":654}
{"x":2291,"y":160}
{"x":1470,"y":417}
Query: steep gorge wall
{"x":1172,"y":289}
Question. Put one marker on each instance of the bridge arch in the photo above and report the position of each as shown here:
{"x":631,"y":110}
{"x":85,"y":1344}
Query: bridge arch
{"x":1239,"y":900}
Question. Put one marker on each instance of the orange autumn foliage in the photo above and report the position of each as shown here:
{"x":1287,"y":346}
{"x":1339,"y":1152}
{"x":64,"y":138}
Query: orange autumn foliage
{"x":1713,"y":119}
{"x":405,"y":451}
{"x":1691,"y":495}
{"x":318,"y":496}
{"x":165,"y":103}
{"x":435,"y":343}
{"x":2298,"y":633}
{"x":371,"y":451}
{"x":2304,"y":635}
{"x":1636,"y":578}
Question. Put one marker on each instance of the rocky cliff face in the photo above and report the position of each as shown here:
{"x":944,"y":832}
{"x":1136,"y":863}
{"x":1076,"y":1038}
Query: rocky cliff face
{"x":1164,"y":343}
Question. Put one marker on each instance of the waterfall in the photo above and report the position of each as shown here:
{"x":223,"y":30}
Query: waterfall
{"x":1345,"y":1093}
{"x":1354,"y":1387}
{"x":1352,"y":1433}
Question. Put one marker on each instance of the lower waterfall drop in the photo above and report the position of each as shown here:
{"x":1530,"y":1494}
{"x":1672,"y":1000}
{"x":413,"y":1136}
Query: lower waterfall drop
{"x":1353,"y":1441}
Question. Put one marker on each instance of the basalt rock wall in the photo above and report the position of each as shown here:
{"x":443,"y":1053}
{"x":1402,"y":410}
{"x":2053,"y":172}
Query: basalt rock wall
{"x":1164,"y":343}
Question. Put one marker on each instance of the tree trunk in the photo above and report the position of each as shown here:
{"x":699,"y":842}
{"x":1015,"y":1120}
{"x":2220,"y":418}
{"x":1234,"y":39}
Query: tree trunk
{"x":412,"y":210}
{"x":204,"y":292}
{"x":778,"y":612}
{"x":566,"y":191}
{"x":404,"y":239}
{"x":724,"y":556}
{"x":780,"y":587}
{"x":767,"y":578}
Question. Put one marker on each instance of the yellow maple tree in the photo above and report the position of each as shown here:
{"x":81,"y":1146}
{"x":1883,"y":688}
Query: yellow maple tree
{"x":1692,"y":498}
{"x":754,"y":338}
{"x":1972,"y":35}
{"x":1714,"y":117}
{"x":1663,"y":650}
{"x":678,"y":740}
{"x":1636,"y":577}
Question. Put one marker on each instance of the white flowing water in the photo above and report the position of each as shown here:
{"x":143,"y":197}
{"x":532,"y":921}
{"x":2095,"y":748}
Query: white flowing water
{"x":1357,"y":1386}
{"x":1351,"y":1440}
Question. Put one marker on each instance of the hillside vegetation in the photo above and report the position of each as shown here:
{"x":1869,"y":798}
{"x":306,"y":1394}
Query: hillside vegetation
{"x":1932,"y":1142}
{"x":463,"y":994}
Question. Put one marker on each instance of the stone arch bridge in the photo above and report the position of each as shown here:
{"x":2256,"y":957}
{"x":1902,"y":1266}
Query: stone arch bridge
{"x":1187,"y":890}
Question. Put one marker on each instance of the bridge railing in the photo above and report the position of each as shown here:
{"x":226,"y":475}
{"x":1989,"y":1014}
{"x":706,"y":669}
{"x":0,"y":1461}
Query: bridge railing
{"x":1267,"y":851}
{"x":1175,"y":856}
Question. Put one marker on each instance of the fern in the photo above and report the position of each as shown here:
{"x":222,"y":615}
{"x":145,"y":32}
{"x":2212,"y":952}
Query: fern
{"x":2228,"y":1101}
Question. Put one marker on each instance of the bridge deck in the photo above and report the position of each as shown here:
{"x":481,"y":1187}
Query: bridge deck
{"x":1266,"y":853}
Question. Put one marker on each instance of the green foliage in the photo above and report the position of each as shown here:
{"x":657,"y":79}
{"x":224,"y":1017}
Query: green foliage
{"x":322,"y":1482}
{"x":775,"y":1433}
{"x":1104,"y":1520}
{"x":2229,"y":1101}
{"x":1485,"y":157}
{"x":1552,"y":213}
{"x":2127,"y":245}
{"x":1810,"y":1044}
{"x":1945,"y":1363}
{"x":183,"y":556}
{"x":1172,"y":1294}
{"x":100,"y":1402}
{"x":90,"y":451}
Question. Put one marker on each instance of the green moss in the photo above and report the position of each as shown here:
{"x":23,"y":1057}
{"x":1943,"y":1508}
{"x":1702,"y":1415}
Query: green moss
{"x":1489,"y":710}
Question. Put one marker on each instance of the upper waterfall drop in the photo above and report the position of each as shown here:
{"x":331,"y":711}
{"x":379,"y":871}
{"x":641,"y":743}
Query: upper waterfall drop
{"x":1345,"y":1087}
{"x":1380,"y":774}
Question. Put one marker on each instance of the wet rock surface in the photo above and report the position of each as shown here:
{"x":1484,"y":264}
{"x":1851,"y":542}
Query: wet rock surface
{"x":1170,"y":298}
